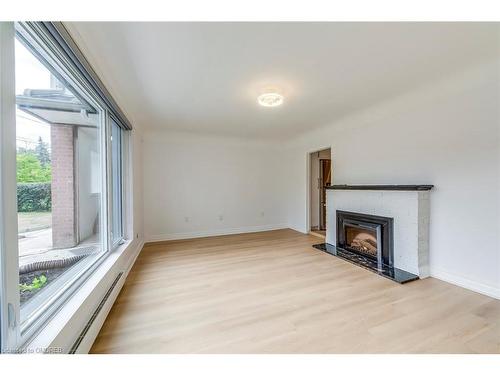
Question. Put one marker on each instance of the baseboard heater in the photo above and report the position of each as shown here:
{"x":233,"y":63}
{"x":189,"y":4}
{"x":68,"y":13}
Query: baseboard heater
{"x":85,"y":329}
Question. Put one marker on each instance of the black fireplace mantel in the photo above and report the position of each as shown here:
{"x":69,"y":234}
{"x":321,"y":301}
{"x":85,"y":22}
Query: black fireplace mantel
{"x":382,"y":187}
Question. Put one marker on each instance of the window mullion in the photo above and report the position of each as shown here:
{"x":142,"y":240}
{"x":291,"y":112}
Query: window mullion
{"x":107,"y":187}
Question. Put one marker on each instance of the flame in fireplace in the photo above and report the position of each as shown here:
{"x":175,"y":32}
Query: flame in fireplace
{"x":362,"y":240}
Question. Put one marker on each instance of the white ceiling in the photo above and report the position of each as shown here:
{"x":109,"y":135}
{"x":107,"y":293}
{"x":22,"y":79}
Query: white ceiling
{"x":205,"y":77}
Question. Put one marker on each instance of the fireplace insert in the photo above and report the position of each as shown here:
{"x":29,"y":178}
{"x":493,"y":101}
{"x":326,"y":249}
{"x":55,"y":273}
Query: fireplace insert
{"x":367,"y":235}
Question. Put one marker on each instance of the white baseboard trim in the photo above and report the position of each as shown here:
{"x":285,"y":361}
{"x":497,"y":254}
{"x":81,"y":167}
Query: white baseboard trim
{"x":463,"y":282}
{"x":212,"y":233}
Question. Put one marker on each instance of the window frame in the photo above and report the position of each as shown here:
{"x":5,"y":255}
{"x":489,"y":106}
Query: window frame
{"x":9,"y":266}
{"x":55,"y":300}
{"x":15,"y":338}
{"x":114,"y":243}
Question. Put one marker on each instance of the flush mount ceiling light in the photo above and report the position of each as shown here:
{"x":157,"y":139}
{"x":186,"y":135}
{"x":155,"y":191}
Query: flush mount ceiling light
{"x":270,"y":99}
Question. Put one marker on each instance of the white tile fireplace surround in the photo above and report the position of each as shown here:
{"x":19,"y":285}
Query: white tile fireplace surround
{"x":409,"y":206}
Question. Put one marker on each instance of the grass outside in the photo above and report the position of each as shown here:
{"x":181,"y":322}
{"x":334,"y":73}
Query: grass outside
{"x":31,"y":221}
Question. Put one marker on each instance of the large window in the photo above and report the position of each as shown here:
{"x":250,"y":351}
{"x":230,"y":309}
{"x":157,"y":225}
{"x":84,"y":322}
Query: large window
{"x":59,"y":180}
{"x":69,"y":176}
{"x":59,"y":138}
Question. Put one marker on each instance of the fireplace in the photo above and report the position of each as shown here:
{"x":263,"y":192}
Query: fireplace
{"x":395,"y":245}
{"x":367,"y":235}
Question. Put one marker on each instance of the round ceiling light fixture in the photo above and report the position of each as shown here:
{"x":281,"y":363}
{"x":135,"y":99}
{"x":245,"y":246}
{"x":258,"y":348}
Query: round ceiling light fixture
{"x":270,"y":99}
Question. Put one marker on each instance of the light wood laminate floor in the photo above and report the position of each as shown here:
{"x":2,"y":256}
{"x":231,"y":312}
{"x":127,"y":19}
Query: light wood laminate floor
{"x":271,"y":292}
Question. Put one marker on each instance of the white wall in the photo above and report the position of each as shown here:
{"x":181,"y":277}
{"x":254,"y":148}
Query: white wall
{"x":88,"y":199}
{"x":446,"y":134}
{"x":207,"y":185}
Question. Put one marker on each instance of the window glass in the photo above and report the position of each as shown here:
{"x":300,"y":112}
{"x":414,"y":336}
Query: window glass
{"x":59,"y":181}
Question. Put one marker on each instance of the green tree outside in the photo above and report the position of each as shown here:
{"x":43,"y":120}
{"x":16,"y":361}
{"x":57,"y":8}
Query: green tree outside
{"x":30,"y":169}
{"x":42,"y":152}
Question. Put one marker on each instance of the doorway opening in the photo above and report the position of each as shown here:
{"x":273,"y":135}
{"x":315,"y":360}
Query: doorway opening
{"x":320,"y":177}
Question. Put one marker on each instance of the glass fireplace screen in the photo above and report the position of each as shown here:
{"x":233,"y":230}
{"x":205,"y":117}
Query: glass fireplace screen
{"x":363,"y":240}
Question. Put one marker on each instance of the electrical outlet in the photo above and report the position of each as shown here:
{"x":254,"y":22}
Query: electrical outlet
{"x":262,"y":214}
{"x":221,"y":217}
{"x":186,"y":219}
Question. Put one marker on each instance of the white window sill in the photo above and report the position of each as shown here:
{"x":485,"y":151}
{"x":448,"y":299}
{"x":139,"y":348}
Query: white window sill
{"x":64,"y":327}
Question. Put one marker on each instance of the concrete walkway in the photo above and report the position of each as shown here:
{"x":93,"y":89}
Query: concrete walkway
{"x":36,"y":242}
{"x":36,"y":246}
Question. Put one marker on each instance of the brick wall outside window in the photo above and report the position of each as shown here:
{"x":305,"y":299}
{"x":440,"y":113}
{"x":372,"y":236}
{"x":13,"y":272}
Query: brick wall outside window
{"x":63,"y":186}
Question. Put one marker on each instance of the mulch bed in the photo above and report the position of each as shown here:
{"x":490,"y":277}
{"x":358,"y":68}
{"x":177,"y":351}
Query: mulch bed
{"x":27,"y":278}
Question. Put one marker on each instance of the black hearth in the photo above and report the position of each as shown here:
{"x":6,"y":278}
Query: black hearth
{"x":366,"y":235}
